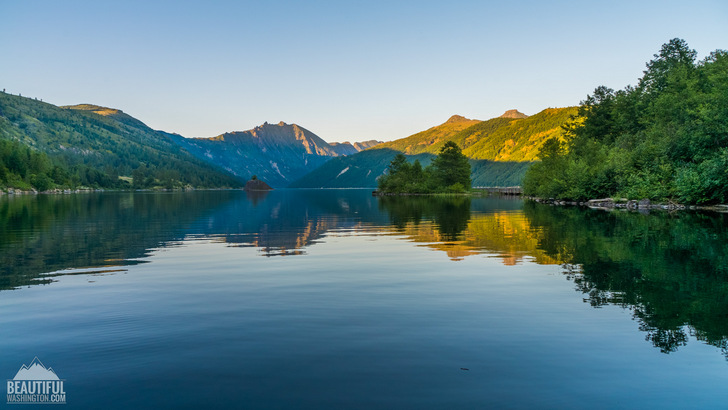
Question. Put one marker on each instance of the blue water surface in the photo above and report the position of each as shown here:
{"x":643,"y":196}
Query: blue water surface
{"x":337,"y":299}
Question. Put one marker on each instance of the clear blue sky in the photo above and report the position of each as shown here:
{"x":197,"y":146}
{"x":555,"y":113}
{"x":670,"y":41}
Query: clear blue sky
{"x":345,"y":70}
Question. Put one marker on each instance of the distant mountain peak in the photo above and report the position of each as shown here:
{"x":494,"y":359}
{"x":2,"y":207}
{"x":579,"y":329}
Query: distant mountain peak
{"x":266,"y":124}
{"x":456,"y":118}
{"x":97,"y":109}
{"x":513,"y":114}
{"x":112,"y":113}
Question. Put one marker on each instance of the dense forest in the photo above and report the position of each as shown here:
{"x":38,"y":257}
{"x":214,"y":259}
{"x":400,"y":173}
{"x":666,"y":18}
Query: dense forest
{"x":43,"y":146}
{"x":448,"y":172}
{"x":664,"y":139}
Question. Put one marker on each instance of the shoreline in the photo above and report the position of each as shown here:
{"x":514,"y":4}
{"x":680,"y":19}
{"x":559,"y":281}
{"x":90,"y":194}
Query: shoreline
{"x":643,"y":205}
{"x":605,"y":204}
{"x":67,"y":191}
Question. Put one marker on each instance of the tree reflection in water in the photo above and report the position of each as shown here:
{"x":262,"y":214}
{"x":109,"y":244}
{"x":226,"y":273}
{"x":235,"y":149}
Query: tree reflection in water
{"x":670,"y":270}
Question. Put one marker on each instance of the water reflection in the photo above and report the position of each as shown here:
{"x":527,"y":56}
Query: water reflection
{"x":450,"y":214}
{"x":286,"y":222}
{"x":462,"y":227}
{"x":671,"y":271}
{"x":54,"y":233}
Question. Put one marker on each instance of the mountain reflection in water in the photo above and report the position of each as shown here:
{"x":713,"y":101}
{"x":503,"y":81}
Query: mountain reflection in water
{"x":670,"y":271}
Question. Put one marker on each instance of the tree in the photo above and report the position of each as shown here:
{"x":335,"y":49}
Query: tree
{"x":451,"y":167}
{"x":665,"y":139}
{"x":396,"y":178}
{"x":449,"y":172}
{"x":673,"y":54}
{"x":41,"y":182}
{"x":138,"y":177}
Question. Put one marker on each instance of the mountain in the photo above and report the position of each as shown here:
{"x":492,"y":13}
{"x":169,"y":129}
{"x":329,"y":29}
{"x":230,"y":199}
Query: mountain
{"x":513,"y":114}
{"x":343,"y":148}
{"x":518,"y":139}
{"x":500,"y":150}
{"x":431,"y":139}
{"x":361,"y":146}
{"x":43,"y":145}
{"x":276,"y":153}
{"x":347,"y":148}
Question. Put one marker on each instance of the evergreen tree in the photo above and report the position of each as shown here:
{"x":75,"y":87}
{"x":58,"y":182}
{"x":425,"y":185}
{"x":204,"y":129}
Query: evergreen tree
{"x":451,"y":168}
{"x":449,"y":172}
{"x":665,"y":139}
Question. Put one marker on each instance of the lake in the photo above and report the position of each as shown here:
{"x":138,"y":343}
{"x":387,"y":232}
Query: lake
{"x":337,"y":299}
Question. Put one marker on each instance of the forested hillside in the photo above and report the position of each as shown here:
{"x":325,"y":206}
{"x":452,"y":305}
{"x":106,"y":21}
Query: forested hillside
{"x":664,"y":139}
{"x":43,"y":146}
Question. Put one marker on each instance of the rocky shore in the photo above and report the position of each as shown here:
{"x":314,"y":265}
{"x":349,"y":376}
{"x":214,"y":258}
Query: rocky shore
{"x":16,"y":191}
{"x":644,"y":205}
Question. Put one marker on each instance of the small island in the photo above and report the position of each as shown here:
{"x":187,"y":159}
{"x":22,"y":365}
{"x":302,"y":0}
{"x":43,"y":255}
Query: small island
{"x":254,"y":184}
{"x":449,"y":172}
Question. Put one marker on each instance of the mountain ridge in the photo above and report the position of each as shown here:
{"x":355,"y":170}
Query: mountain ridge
{"x":500,"y":150}
{"x":87,"y":135}
{"x":276,"y":153}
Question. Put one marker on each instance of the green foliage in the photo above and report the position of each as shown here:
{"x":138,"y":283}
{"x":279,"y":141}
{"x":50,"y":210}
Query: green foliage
{"x":403,"y":177}
{"x":448,"y":172}
{"x":24,"y":168}
{"x":91,"y":146}
{"x":451,"y":167}
{"x":516,"y":140}
{"x":544,"y":176}
{"x":665,"y":139}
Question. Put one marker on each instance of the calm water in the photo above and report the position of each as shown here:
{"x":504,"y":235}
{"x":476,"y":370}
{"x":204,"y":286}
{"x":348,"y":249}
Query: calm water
{"x":336,"y":299}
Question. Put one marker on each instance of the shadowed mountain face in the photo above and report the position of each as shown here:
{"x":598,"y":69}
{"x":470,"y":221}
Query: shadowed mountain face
{"x":276,"y":153}
{"x":347,"y":148}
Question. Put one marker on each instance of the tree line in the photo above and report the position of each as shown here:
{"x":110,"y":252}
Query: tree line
{"x":448,"y":172}
{"x":664,"y":139}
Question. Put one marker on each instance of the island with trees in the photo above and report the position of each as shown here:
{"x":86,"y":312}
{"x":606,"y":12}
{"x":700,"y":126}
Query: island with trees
{"x":449,"y":172}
